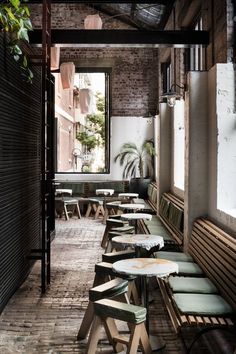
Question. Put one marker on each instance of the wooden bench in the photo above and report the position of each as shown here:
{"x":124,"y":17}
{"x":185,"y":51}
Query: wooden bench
{"x":150,"y":204}
{"x":215,"y":252}
{"x":169,"y":222}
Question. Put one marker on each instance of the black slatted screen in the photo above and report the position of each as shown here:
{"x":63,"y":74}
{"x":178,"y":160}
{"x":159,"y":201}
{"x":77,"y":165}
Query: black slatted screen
{"x":19,"y":173}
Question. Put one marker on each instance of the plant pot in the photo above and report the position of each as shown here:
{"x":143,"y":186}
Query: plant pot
{"x":140,"y":186}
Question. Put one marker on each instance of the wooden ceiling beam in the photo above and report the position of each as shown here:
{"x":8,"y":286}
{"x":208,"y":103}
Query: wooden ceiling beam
{"x":123,"y":38}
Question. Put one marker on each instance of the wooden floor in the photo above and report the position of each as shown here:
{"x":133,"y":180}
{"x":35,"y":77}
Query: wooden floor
{"x":32,"y":323}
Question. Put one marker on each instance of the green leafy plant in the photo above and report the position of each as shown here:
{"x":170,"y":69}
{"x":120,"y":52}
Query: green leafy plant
{"x":15,"y":20}
{"x":136,"y":160}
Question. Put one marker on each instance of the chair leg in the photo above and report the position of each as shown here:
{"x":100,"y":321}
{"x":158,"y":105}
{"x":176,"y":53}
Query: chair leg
{"x":94,"y":336}
{"x":97,"y":212}
{"x":105,"y":237}
{"x":86,"y":322}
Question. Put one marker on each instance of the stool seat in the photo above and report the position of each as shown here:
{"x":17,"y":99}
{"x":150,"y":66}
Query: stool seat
{"x":120,"y":311}
{"x":112,"y":288}
{"x":112,"y":257}
{"x":125,"y":228}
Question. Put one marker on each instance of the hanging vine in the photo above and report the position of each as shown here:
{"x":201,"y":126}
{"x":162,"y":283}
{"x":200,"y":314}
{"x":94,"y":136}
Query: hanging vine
{"x":15,"y":21}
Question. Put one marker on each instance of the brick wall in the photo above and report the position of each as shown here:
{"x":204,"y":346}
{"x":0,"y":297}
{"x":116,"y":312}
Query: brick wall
{"x":134,"y":85}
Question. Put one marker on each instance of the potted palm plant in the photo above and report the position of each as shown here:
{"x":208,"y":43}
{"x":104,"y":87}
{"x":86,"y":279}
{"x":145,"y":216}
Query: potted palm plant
{"x":138,"y":164}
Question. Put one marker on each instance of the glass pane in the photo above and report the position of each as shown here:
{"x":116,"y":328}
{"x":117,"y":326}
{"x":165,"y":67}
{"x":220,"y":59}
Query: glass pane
{"x":81,"y":129}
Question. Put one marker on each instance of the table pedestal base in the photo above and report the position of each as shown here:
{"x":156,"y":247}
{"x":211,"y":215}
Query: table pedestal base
{"x":157,"y":343}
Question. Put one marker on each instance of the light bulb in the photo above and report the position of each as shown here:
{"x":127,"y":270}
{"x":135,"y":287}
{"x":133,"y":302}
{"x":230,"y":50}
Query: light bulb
{"x":171,"y":101}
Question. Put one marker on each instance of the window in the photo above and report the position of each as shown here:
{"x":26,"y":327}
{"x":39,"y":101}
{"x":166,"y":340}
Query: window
{"x":178,"y":145}
{"x":195,"y":58}
{"x":82,"y":132}
{"x":166,"y":76}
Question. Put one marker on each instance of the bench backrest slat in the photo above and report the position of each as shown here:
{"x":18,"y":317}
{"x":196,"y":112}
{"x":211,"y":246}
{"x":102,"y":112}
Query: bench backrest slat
{"x":215,"y":251}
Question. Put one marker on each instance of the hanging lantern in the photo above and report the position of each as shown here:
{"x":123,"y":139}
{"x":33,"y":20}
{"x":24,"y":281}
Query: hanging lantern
{"x":67,"y":71}
{"x":55,"y":58}
{"x":93,"y":22}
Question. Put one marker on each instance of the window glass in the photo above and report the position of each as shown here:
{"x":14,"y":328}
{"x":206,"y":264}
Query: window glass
{"x":178,"y":148}
{"x":82,"y":132}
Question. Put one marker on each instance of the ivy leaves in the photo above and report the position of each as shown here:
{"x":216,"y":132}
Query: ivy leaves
{"x":15,"y":20}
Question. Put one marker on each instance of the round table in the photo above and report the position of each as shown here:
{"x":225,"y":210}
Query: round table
{"x":128,"y":195}
{"x":131,"y":206}
{"x":105,"y":193}
{"x":63,"y":191}
{"x":136,"y":217}
{"x":138,"y":241}
{"x":145,"y":268}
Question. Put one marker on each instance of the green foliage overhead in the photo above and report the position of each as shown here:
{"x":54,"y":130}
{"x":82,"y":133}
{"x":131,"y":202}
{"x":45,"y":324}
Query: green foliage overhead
{"x":136,"y":160}
{"x":94,"y":135}
{"x":15,"y":20}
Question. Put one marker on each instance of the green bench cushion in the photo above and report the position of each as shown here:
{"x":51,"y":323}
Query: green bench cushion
{"x":192,"y":285}
{"x":110,"y":289}
{"x":189,"y":268}
{"x":120,"y":311}
{"x":174,"y":256}
{"x":202,"y":304}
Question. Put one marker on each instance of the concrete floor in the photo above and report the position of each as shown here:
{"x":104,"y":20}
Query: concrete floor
{"x":32,"y":323}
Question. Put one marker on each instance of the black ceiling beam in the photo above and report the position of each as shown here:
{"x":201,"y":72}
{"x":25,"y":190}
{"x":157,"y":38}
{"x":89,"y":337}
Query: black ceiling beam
{"x":128,"y":38}
{"x":162,"y":2}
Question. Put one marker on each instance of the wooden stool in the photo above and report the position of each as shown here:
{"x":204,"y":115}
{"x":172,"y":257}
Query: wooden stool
{"x":104,"y":272}
{"x":106,"y":312}
{"x":113,"y":288}
{"x":111,"y":222}
{"x":116,"y":231}
{"x":95,"y":205}
{"x":71,"y":206}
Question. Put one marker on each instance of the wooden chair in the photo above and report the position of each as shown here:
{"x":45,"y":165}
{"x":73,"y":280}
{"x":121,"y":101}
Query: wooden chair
{"x":106,"y":312}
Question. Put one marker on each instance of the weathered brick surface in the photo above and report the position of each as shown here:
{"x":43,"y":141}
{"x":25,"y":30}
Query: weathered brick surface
{"x":134,"y":84}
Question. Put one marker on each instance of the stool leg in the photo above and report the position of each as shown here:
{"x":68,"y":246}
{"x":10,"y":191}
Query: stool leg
{"x":112,"y":331}
{"x":94,"y":336}
{"x":78,"y":211}
{"x":97,"y":212}
{"x":66,"y":213}
{"x":105,"y":236}
{"x":144,"y":341}
{"x":134,"y":339}
{"x":89,"y":209}
{"x":87,"y":321}
{"x":133,"y":292}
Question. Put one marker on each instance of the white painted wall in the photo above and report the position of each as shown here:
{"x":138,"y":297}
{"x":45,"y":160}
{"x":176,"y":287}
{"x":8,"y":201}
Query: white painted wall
{"x":222,"y":146}
{"x":128,"y":130}
{"x":196,"y":151}
{"x":123,"y":130}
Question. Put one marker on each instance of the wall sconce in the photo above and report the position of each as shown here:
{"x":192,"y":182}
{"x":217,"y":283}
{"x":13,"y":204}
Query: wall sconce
{"x":171,"y":96}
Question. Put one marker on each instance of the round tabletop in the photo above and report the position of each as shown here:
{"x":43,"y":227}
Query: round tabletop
{"x":105,"y":191}
{"x":61,"y":191}
{"x":131,"y":206}
{"x":128,"y":195}
{"x":146,"y":267}
{"x":136,"y":216}
{"x":145,"y":241}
